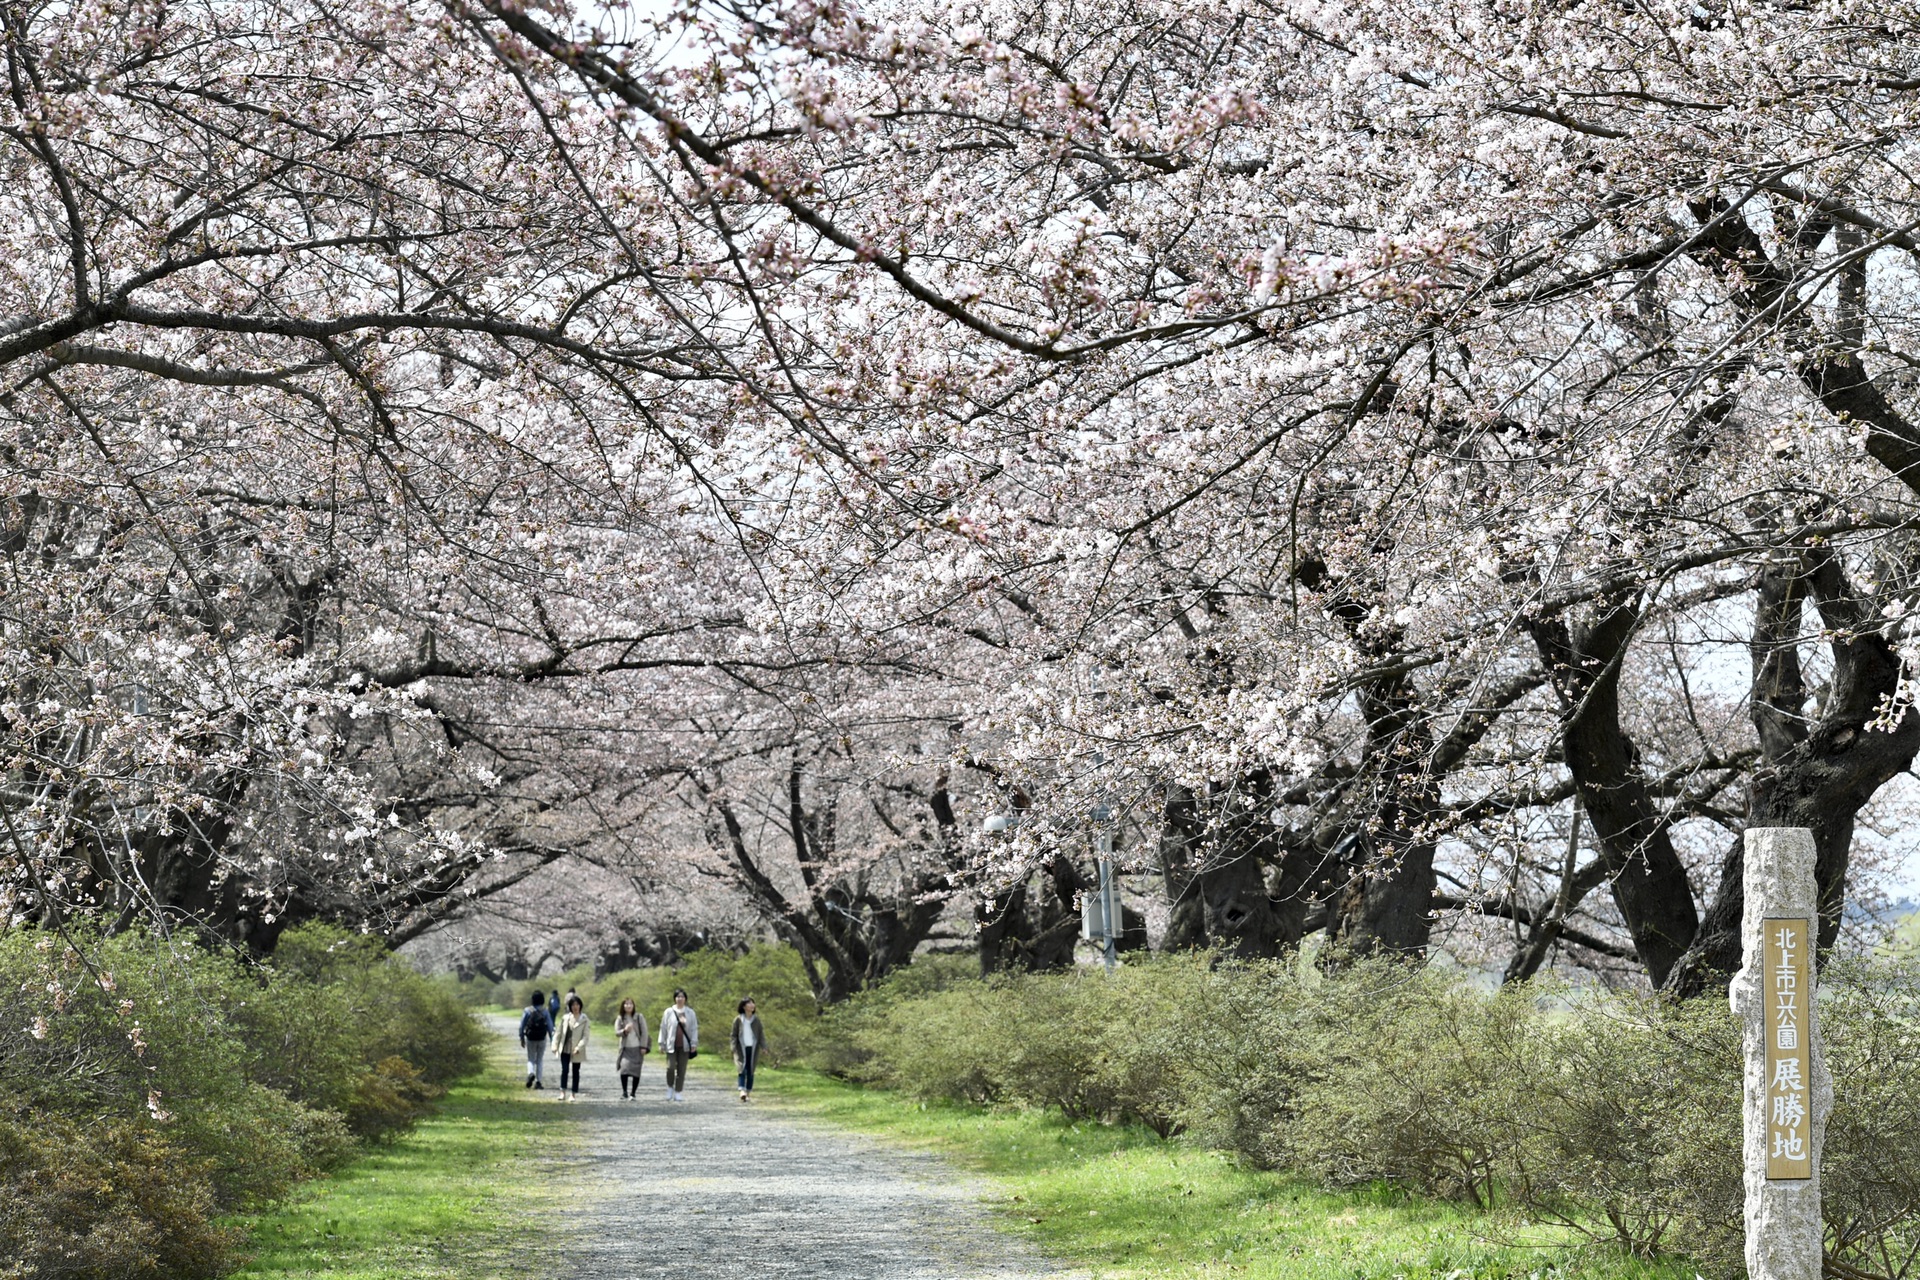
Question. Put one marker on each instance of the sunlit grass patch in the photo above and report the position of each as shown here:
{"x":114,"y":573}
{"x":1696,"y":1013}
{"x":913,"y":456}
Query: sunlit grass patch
{"x":443,"y":1201}
{"x":1123,"y":1203}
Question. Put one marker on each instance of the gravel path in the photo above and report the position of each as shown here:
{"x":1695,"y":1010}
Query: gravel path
{"x":712,"y":1187}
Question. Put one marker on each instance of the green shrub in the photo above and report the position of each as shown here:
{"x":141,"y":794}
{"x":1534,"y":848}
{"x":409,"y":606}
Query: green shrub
{"x":1632,"y":1117}
{"x":110,"y":1199}
{"x":1148,"y":1023}
{"x":1870,"y":1171}
{"x":1613,"y":1114}
{"x":301,"y":1041}
{"x":258,"y":1143}
{"x":339,"y":1011}
{"x":388,"y":1097}
{"x":171,"y":1084}
{"x":847,"y":1037}
{"x":1048,"y":1034}
{"x":1245,"y":1059}
{"x":944,"y":1045}
{"x":1413,"y":1078}
{"x":380,"y":1004}
{"x":481,"y":993}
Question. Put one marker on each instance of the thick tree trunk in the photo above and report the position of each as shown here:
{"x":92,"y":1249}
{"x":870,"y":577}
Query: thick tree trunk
{"x":1033,"y":925}
{"x":1817,"y":775}
{"x":1292,"y":881}
{"x":1214,"y":858}
{"x":1240,"y":920}
{"x":1179,"y":831}
{"x":1386,"y":906}
{"x":1648,"y":880}
{"x":997,"y":923}
{"x":191,"y":884}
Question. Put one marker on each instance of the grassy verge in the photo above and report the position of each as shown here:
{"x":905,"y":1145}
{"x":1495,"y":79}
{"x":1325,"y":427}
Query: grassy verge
{"x":437,"y":1204}
{"x":1128,"y":1206}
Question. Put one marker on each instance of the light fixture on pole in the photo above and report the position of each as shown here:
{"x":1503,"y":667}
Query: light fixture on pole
{"x":1100,"y":910}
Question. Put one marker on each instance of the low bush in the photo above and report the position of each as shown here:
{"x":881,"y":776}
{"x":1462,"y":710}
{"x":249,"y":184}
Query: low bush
{"x":110,"y":1199}
{"x":1630,"y":1114}
{"x":840,"y":1045}
{"x":388,"y":1097}
{"x":1615,"y":1115}
{"x":257,"y":1142}
{"x":171,"y":1085}
{"x":1409,"y":1077}
{"x":945,"y":1044}
{"x":1870,"y":1174}
{"x":352,"y":1012}
{"x":480,"y":993}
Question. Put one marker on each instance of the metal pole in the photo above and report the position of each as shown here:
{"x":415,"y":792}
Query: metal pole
{"x":1109,"y":901}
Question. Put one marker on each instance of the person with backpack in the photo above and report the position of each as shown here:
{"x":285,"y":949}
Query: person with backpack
{"x":680,"y":1041}
{"x":535,"y":1026}
{"x":573,"y":1048}
{"x":553,"y":1007}
{"x":632,"y":1030}
{"x":749,"y":1042}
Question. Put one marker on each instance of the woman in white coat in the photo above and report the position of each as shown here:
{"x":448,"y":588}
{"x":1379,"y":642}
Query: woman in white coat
{"x":680,"y":1042}
{"x":573,"y":1048}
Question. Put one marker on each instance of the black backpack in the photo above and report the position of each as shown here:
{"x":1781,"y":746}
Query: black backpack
{"x":539,"y":1025}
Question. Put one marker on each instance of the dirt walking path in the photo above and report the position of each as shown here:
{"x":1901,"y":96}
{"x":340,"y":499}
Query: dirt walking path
{"x":711,"y":1188}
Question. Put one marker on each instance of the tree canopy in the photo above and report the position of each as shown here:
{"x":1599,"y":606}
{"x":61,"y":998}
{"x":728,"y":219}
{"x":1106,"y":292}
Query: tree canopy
{"x":1400,"y":467}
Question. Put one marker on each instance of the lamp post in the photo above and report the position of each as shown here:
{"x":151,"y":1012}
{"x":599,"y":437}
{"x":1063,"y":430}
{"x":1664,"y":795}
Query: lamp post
{"x":1100,"y":911}
{"x":1107,"y":904}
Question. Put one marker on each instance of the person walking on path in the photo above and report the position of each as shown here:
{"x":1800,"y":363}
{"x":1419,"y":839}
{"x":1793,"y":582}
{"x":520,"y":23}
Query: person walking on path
{"x":553,"y":1006}
{"x":680,"y":1041}
{"x":573,"y":1048}
{"x":535,"y":1026}
{"x":749,"y":1038}
{"x":632,"y":1030}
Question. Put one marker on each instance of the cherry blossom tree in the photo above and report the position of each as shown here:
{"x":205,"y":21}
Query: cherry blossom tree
{"x":1348,"y":445}
{"x":1311,"y":359}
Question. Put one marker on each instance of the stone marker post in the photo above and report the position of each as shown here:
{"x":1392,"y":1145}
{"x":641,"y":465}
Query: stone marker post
{"x":1788,"y":1089}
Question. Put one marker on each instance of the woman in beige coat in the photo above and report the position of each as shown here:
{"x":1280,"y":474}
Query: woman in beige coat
{"x":573,"y":1048}
{"x":632,"y":1030}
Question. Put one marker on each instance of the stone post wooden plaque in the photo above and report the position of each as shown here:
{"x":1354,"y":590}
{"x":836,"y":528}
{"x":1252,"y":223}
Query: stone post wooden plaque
{"x":1787,"y":992}
{"x":1787,"y":1089}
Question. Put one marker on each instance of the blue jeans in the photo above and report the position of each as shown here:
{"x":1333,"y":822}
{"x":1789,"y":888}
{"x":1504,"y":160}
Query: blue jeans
{"x":746,"y":1068}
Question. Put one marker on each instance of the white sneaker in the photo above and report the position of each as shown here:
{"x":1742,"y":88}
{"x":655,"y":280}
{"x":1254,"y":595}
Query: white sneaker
{"x":669,"y":1095}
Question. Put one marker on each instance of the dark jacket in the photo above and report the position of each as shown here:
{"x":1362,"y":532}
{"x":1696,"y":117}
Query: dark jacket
{"x":759,"y":1038}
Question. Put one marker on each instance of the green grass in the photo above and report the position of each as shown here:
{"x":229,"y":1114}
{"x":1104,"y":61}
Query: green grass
{"x":439,"y":1203}
{"x":1125,"y":1204}
{"x":442,"y":1202}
